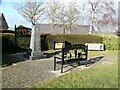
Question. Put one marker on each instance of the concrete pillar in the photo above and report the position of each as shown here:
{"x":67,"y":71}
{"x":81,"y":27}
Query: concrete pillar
{"x":32,"y":41}
{"x":35,"y":42}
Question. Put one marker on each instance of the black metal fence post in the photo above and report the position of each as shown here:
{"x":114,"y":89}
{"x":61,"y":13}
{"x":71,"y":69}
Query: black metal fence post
{"x":15,"y":39}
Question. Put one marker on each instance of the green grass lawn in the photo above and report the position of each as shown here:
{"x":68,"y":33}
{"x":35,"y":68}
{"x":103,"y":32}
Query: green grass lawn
{"x":101,"y":76}
{"x":92,"y":53}
{"x":98,"y":77}
{"x":96,"y":53}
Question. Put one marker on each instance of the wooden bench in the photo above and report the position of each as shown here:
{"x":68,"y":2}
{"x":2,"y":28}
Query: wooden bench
{"x":70,"y":54}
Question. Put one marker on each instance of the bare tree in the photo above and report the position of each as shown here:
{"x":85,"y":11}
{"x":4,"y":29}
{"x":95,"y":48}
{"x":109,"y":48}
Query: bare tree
{"x":72,"y":15}
{"x":82,"y":13}
{"x":62,"y":18}
{"x":101,"y":13}
{"x":52,"y":11}
{"x":94,"y":6}
{"x":68,"y":16}
{"x":31,"y":11}
{"x":109,"y":17}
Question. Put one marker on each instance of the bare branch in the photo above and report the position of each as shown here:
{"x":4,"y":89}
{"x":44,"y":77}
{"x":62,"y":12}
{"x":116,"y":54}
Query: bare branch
{"x":31,"y":11}
{"x":52,"y":13}
{"x":105,"y":10}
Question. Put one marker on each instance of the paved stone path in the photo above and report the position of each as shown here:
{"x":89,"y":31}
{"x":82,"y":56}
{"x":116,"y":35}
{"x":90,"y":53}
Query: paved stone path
{"x":26,"y":73}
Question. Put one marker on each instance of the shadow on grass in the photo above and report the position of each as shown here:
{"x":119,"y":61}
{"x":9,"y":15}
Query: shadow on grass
{"x":9,"y":59}
{"x":9,"y":50}
{"x":94,"y":60}
{"x":90,"y":62}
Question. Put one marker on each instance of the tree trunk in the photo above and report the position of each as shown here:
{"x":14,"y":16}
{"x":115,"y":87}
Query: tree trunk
{"x":52,"y":28}
{"x":92,"y":21}
{"x":64,"y":31}
{"x":63,"y":28}
{"x":69,"y":31}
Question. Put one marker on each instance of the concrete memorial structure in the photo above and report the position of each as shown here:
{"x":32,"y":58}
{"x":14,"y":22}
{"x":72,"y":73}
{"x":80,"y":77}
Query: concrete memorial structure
{"x":35,"y":43}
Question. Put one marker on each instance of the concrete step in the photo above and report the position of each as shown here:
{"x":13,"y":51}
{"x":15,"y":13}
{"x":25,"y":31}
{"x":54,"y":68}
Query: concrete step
{"x":37,"y":55}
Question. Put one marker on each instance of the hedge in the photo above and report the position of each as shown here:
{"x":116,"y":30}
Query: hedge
{"x":9,"y":45}
{"x":7,"y":42}
{"x":7,"y":31}
{"x":111,"y":42}
{"x":23,"y":42}
{"x":73,"y":39}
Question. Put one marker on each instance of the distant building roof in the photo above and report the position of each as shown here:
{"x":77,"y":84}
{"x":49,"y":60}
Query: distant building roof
{"x":23,"y":27}
{"x":78,"y":29}
{"x":3,"y":23}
